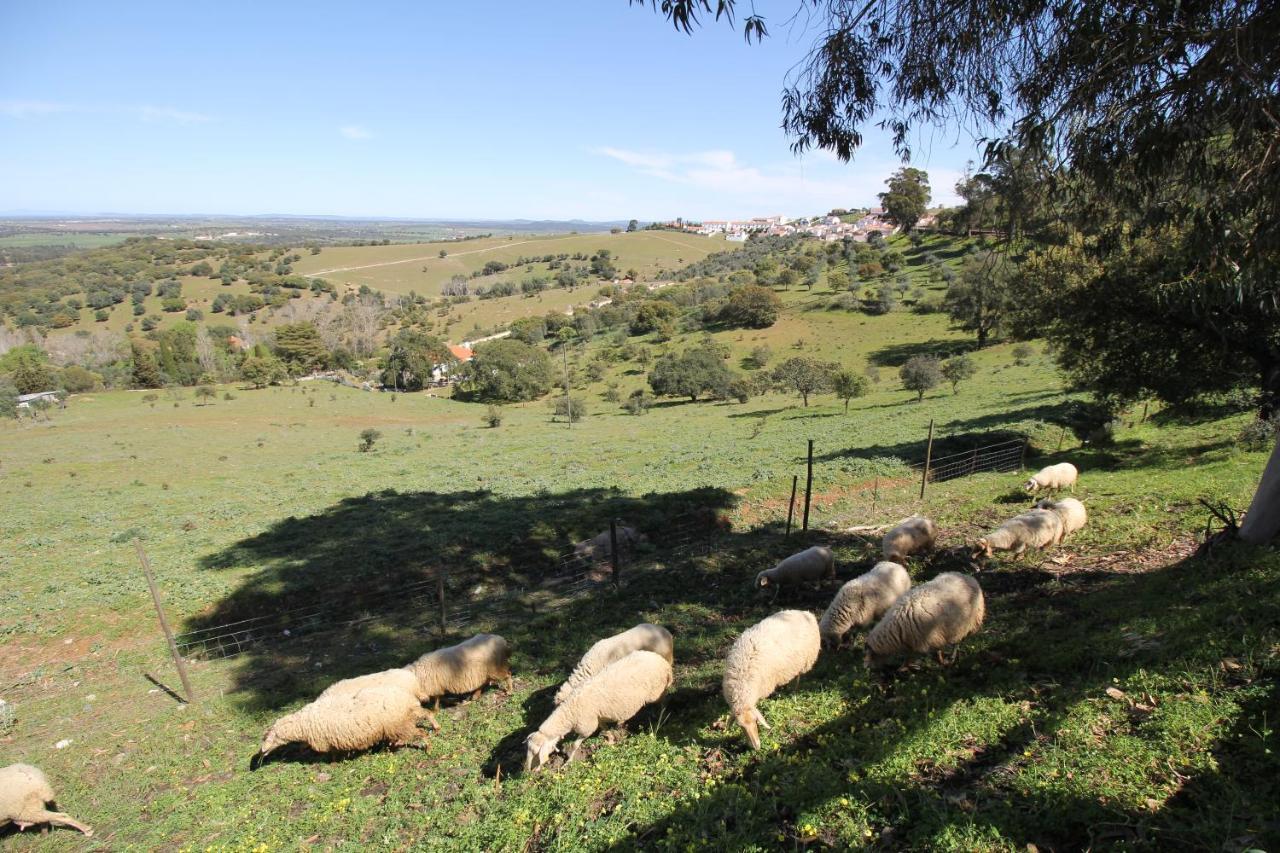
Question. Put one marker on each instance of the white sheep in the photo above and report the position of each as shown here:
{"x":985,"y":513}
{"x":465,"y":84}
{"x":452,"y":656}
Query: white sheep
{"x":402,"y":678}
{"x":616,"y":695}
{"x":909,"y":537}
{"x":25,"y":794}
{"x":1053,"y":477}
{"x":344,"y":722}
{"x":651,"y":638}
{"x":928,"y":618}
{"x":600,"y":546}
{"x":1069,"y":510}
{"x":862,"y":601}
{"x":812,"y":564}
{"x":1035,"y":528}
{"x":768,"y":655}
{"x":464,"y":668}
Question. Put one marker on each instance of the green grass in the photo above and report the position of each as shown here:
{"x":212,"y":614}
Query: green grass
{"x":80,"y":240}
{"x":261,"y":503}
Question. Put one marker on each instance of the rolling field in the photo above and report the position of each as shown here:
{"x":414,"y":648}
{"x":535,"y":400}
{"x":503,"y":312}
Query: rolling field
{"x":417,"y":266}
{"x":1117,"y":695}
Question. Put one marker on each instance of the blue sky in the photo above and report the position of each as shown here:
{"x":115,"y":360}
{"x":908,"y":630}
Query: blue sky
{"x":588,"y":109}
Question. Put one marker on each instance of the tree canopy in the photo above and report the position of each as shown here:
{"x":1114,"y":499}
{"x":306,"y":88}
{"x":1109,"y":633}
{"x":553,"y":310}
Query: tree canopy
{"x":907,"y":197}
{"x":506,"y":371}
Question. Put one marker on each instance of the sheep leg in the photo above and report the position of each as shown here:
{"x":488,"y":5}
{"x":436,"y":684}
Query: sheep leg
{"x":431,"y":718}
{"x":511,"y":683}
{"x":475,"y":694}
{"x":60,"y":819}
{"x":937,"y":653}
{"x":437,"y":706}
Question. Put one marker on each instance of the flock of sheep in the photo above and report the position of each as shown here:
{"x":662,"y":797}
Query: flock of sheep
{"x":620,"y":675}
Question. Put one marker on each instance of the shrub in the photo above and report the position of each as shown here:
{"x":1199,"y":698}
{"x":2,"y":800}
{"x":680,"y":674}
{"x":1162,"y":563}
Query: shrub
{"x":102,"y":315}
{"x":367,"y":439}
{"x":205,"y":392}
{"x":1021,"y":353}
{"x":759,"y":356}
{"x":228,"y":396}
{"x":571,"y":408}
{"x":77,"y":379}
{"x":956,"y":370}
{"x":1261,"y":434}
{"x":493,"y":417}
{"x":752,"y":306}
{"x":639,"y":402}
{"x":920,"y":373}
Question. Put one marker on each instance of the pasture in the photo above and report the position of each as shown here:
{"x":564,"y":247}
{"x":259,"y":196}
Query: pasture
{"x":1118,"y":693}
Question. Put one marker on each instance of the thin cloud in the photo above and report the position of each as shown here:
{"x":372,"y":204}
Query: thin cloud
{"x":169,"y":114}
{"x":27,"y":109}
{"x":355,"y":131}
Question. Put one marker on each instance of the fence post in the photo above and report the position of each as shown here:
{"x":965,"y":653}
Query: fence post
{"x":808,"y":487}
{"x":1061,"y":436}
{"x":444,"y":616}
{"x":973,"y":463}
{"x":791,"y":506}
{"x":875,"y":494}
{"x":164,"y":623}
{"x":1022,"y":459}
{"x":928,"y":457}
{"x":613,"y":549}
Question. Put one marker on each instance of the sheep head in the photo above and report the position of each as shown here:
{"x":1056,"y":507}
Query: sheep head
{"x":980,"y":549}
{"x":1031,"y":485}
{"x":749,"y":718}
{"x":537,"y":749}
{"x":271,"y":741}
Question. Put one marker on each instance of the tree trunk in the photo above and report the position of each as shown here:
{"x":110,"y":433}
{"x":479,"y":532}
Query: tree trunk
{"x":804,"y":395}
{"x":982,"y":338}
{"x":1262,"y":522}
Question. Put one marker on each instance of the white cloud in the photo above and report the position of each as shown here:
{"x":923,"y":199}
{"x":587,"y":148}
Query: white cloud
{"x":169,"y":114}
{"x":25,"y":109}
{"x":355,"y":131}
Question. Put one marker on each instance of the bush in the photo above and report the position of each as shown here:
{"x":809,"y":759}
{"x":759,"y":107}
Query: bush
{"x":752,"y":306}
{"x":228,"y":396}
{"x":956,"y":370}
{"x":77,"y":379}
{"x":920,"y":373}
{"x":1021,"y":353}
{"x":1261,"y":434}
{"x":205,"y":392}
{"x":639,"y":402}
{"x":367,"y":439}
{"x":493,"y":417}
{"x":102,"y":315}
{"x":571,"y":408}
{"x":759,"y":356}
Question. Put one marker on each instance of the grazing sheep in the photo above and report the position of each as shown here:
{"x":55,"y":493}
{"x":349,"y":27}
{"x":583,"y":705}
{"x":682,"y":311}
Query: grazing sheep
{"x":1054,"y":477}
{"x":812,"y":564}
{"x":928,"y":618}
{"x":25,"y":793}
{"x":914,"y":534}
{"x":769,"y":654}
{"x":600,"y":546}
{"x":616,"y":694}
{"x":1032,"y":529}
{"x":402,"y":678}
{"x":1069,"y":510}
{"x":464,"y":668}
{"x":644,"y":636}
{"x":862,"y":601}
{"x":343,"y":722}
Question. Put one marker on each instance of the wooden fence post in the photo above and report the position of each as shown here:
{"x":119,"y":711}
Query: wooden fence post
{"x":1061,"y":436}
{"x":928,"y":457}
{"x":791,"y":506}
{"x":875,"y":493}
{"x":808,"y":487}
{"x":1022,"y":460}
{"x":444,"y":616}
{"x":613,"y":549}
{"x":164,"y":623}
{"x":973,"y":463}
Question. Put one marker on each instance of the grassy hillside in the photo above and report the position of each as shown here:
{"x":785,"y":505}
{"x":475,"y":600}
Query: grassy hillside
{"x":418,"y":267}
{"x":1121,"y":693}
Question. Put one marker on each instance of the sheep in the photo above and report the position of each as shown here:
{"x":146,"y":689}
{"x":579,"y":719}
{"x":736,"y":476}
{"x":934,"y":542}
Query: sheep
{"x":812,"y":564}
{"x":600,"y":546}
{"x":769,"y":654}
{"x":464,"y":668}
{"x":643,"y":636}
{"x":1054,"y":478}
{"x":25,"y":793}
{"x":402,"y":678}
{"x":928,"y":618}
{"x":616,"y":694}
{"x":1035,"y":528}
{"x":862,"y":601}
{"x":343,"y":722}
{"x":911,"y":535}
{"x":1069,"y":510}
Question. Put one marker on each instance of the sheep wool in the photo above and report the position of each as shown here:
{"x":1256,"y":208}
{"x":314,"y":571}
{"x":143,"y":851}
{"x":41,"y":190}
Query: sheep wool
{"x":344,"y":722}
{"x":913,"y":535}
{"x":616,"y":695}
{"x":402,"y":679}
{"x":644,"y":636}
{"x":768,"y":655}
{"x":811,"y":564}
{"x":25,"y":794}
{"x":600,"y":546}
{"x":862,"y":601}
{"x":1069,"y":510}
{"x":1053,"y":478}
{"x":928,"y":618}
{"x":1032,"y":529}
{"x":464,"y":668}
